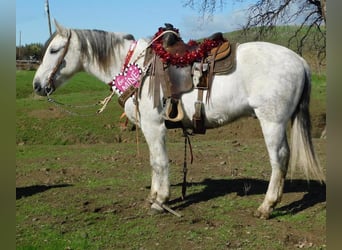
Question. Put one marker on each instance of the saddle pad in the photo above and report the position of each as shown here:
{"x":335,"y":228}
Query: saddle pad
{"x":220,"y":52}
{"x":226,"y":65}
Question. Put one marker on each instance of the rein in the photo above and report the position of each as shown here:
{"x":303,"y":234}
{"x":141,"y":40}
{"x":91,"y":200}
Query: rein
{"x":51,"y":84}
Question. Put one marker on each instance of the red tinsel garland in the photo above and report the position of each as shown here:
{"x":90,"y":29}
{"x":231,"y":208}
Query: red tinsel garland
{"x":189,"y":56}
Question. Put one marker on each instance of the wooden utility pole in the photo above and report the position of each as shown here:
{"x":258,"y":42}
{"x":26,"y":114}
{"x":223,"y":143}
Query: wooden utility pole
{"x":19,"y":50}
{"x":47,"y":9}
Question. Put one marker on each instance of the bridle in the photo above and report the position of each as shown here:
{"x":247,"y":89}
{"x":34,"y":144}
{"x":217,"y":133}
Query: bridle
{"x":50,"y":83}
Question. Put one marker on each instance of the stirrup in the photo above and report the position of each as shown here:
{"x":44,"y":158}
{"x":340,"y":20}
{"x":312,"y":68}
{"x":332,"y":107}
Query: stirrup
{"x":174,"y":113}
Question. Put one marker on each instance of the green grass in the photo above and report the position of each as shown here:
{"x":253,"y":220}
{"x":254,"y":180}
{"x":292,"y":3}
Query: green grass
{"x":319,"y":85}
{"x":60,"y":219}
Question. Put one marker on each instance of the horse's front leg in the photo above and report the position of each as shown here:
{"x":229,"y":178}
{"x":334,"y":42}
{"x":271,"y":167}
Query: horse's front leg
{"x":154,"y":133}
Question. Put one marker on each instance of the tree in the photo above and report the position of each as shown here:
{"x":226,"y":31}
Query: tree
{"x":308,"y":15}
{"x":30,"y":51}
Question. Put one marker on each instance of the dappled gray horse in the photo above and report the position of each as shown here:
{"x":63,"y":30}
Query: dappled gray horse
{"x":270,"y":82}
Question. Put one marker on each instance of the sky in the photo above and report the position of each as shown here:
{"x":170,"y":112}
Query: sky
{"x":142,"y":18}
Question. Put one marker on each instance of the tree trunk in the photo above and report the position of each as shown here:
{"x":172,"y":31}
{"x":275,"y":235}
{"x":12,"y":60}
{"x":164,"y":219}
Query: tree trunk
{"x":324,"y":10}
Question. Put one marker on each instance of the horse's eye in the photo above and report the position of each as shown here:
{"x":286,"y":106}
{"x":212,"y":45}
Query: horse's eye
{"x":53,"y":50}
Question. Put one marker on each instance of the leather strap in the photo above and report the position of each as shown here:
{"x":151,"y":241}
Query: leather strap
{"x":166,"y":84}
{"x":211,"y":72}
{"x":125,"y":95}
{"x":51,"y":80}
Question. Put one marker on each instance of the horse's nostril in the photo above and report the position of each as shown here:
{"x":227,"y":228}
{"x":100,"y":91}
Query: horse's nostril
{"x":37,"y":87}
{"x":48,"y":90}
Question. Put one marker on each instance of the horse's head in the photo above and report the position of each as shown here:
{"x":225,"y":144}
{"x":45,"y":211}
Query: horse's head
{"x":60,"y":62}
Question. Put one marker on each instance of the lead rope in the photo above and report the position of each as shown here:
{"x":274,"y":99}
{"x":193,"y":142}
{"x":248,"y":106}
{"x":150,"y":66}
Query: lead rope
{"x":105,"y":102}
{"x":67,"y":107}
{"x":185,"y":164}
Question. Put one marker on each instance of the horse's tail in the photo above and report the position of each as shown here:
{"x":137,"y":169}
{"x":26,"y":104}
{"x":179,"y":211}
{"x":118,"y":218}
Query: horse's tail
{"x":302,"y":150}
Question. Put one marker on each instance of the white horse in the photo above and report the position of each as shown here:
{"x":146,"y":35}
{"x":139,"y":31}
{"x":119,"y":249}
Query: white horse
{"x":270,"y":82}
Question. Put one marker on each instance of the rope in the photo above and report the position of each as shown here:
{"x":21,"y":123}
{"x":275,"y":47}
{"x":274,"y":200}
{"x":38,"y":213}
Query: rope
{"x":105,"y":102}
{"x":59,"y":105}
{"x":185,"y":165}
{"x":167,"y":208}
{"x":136,"y":124}
{"x":49,"y":99}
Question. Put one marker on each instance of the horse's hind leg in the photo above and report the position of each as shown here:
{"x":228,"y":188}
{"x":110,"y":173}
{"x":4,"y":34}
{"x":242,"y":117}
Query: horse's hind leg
{"x":278,"y":150}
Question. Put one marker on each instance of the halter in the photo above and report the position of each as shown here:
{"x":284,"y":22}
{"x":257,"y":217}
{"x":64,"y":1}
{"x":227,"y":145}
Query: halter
{"x":51,"y":84}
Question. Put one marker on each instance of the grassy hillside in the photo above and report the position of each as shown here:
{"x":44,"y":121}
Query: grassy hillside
{"x":281,"y":35}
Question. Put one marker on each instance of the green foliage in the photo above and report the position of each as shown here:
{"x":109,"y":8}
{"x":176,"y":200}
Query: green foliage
{"x":33,"y":50}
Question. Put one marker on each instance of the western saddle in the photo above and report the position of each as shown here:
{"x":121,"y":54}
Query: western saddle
{"x":175,"y":81}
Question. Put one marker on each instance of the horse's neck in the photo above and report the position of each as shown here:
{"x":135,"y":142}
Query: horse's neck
{"x":117,"y":59}
{"x":104,"y":76}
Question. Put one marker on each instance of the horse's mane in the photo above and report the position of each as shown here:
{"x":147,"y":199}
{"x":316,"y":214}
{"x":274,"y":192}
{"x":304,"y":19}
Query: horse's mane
{"x":98,"y":45}
{"x":102,"y":45}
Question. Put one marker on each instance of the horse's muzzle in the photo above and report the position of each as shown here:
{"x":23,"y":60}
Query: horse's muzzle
{"x":43,"y":91}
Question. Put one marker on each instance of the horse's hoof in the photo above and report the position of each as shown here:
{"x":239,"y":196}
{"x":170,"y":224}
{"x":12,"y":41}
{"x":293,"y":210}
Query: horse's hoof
{"x":261,"y":215}
{"x":156,"y":209}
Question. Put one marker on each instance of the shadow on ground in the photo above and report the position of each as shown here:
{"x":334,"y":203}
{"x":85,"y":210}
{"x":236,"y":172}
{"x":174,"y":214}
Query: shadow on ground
{"x":314,"y":192}
{"x":32,"y":190}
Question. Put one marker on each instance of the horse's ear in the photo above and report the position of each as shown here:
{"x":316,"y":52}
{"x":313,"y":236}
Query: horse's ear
{"x":61,"y":30}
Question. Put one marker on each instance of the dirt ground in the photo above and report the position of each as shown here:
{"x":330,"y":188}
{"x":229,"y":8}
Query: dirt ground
{"x":235,"y":169}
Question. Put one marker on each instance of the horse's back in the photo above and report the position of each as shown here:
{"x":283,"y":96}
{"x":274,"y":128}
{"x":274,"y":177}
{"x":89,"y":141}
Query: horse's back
{"x":263,"y":58}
